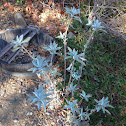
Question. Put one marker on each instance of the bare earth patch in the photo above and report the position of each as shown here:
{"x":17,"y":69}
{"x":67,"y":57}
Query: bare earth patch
{"x":16,"y":111}
{"x":14,"y":108}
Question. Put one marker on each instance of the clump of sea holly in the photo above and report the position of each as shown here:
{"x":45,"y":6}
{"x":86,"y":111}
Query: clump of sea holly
{"x":83,"y":115}
{"x":40,"y":66}
{"x":72,"y":106}
{"x":72,"y":12}
{"x":19,"y":42}
{"x":76,"y":74}
{"x":72,"y":15}
{"x":72,"y":88}
{"x":40,"y":97}
{"x":96,"y":25}
{"x":102,"y":104}
{"x":73,"y":54}
{"x":86,"y":97}
{"x":52,"y":48}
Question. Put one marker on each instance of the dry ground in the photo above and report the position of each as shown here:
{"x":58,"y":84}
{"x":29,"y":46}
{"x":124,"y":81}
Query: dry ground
{"x":14,"y":108}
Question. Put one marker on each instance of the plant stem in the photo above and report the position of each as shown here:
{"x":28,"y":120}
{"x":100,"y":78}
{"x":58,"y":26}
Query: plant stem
{"x":27,"y":52}
{"x":51,"y":59}
{"x":85,"y":47}
{"x":64,"y":63}
{"x":65,"y":45}
{"x":71,"y":73}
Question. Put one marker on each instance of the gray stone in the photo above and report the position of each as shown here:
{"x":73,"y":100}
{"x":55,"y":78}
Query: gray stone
{"x":3,"y":93}
{"x":16,"y":120}
{"x":71,"y":35}
{"x":19,"y":21}
{"x":29,"y":113}
{"x":1,"y":106}
{"x":9,"y":28}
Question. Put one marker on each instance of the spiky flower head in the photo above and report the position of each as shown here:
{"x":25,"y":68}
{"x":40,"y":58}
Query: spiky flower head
{"x":40,"y":65}
{"x":72,"y":88}
{"x":52,"y":48}
{"x":102,"y":104}
{"x":19,"y":42}
{"x":86,"y":97}
{"x":72,"y":106}
{"x":40,"y":97}
{"x":75,"y":56}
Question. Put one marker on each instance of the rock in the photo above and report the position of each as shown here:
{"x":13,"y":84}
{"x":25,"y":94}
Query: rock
{"x":71,"y":35}
{"x":1,"y":106}
{"x":32,"y":122}
{"x":9,"y":28}
{"x":26,"y":105}
{"x":15,"y":120}
{"x":53,"y":123}
{"x":19,"y":21}
{"x":3,"y":93}
{"x":29,"y":113}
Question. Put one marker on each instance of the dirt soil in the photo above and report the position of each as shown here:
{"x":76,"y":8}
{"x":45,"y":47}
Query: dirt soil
{"x":38,"y":13}
{"x":14,"y":108}
{"x":16,"y":111}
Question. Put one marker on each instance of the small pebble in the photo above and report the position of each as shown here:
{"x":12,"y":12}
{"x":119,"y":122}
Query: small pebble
{"x":26,"y":105}
{"x":53,"y":123}
{"x":29,"y":113}
{"x":32,"y":122}
{"x":71,"y":35}
{"x":20,"y":91}
{"x":1,"y":106}
{"x":47,"y":113}
{"x":3,"y":92}
{"x":15,"y":120}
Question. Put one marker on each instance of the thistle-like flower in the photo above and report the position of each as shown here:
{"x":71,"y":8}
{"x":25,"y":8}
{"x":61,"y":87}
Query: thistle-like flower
{"x":83,"y":115}
{"x":52,"y":48}
{"x":75,"y":56}
{"x":40,"y":97}
{"x":76,"y":75}
{"x":97,"y":25}
{"x":73,"y":11}
{"x":83,"y":94}
{"x":40,"y":65}
{"x":61,"y":36}
{"x":102,"y":104}
{"x":72,"y":88}
{"x":72,"y":106}
{"x":19,"y":42}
